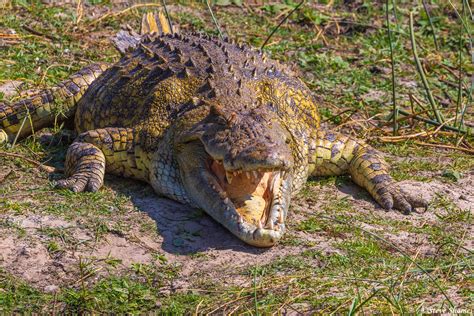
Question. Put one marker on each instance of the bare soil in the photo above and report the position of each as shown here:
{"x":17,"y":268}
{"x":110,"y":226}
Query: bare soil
{"x":202,"y":248}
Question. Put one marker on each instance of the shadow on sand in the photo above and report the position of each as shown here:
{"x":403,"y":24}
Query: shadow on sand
{"x":184,"y":230}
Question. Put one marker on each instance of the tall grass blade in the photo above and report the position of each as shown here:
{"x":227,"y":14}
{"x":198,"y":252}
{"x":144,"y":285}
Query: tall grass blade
{"x":392,"y":62}
{"x":469,"y":97}
{"x":282,"y":21}
{"x":167,"y":15}
{"x":433,"y":30}
{"x":419,"y":67}
{"x":459,"y":96}
{"x":214,"y":20}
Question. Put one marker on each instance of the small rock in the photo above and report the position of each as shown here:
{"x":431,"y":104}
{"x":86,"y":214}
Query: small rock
{"x":51,"y":288}
{"x":408,"y":83}
{"x":10,"y":88}
{"x":61,"y":16}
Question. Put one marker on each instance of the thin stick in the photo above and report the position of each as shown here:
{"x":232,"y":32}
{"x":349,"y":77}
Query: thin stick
{"x":79,"y":11}
{"x":34,"y":162}
{"x":431,"y":24}
{"x":168,"y":17}
{"x":422,"y":73}
{"x":392,"y":62}
{"x":418,"y":102}
{"x":282,"y":21}
{"x":214,"y":20}
{"x":428,"y":121}
{"x":394,"y":139}
{"x":401,"y":119}
{"x":19,"y":131}
{"x":140,"y":5}
{"x":467,"y":150}
{"x":38,"y":33}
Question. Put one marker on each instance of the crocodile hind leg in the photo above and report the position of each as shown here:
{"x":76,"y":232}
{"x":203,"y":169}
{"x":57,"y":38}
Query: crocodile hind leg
{"x":22,"y":118}
{"x":112,"y":150}
{"x":336,"y":154}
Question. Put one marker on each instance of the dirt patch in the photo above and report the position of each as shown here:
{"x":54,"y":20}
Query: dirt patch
{"x":192,"y":240}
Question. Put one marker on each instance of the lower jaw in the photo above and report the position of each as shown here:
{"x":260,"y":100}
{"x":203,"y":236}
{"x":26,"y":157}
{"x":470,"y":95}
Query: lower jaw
{"x":248,"y":233}
{"x":263,"y":237}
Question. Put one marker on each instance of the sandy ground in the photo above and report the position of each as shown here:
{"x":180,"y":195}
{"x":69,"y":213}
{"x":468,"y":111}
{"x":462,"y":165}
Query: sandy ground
{"x":192,"y":240}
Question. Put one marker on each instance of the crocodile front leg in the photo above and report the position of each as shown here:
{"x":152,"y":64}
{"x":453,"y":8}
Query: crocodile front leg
{"x":113,"y":150}
{"x":335,"y":154}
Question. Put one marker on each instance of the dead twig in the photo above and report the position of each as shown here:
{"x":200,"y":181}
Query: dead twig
{"x":467,"y":150}
{"x":340,"y":113}
{"x":38,"y":164}
{"x":395,"y":139}
{"x":321,"y":34}
{"x":428,"y":121}
{"x":114,"y":14}
{"x":401,"y":119}
{"x":79,"y":11}
{"x":3,"y":177}
{"x":38,"y":33}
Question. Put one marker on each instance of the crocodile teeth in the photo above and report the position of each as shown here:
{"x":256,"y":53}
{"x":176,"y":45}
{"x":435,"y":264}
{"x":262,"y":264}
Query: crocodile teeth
{"x":226,"y":200}
{"x":276,"y":182}
{"x":255,"y":174}
{"x":248,"y":175}
{"x":229,"y":176}
{"x":241,"y":220}
{"x":280,"y":218}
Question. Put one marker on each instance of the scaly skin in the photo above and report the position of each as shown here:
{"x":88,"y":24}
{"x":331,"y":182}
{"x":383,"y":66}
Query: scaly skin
{"x":208,"y":123}
{"x":50,"y":106}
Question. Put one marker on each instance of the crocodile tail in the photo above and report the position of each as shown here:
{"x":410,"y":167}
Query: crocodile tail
{"x":48,"y":107}
{"x":152,"y":23}
{"x":156,"y":23}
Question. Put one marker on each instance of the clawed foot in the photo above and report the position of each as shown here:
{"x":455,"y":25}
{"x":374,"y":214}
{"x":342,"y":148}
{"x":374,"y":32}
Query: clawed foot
{"x":85,"y":168}
{"x":3,"y":136}
{"x":80,"y":182}
{"x":393,"y":197}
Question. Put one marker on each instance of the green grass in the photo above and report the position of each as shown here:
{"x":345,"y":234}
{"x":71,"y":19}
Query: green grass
{"x":346,"y":67}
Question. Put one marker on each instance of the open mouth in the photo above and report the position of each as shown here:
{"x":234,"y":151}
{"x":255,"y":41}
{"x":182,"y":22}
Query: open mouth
{"x":256,"y":194}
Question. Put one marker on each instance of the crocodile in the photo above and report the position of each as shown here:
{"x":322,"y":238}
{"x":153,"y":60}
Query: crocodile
{"x":206,"y":122}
